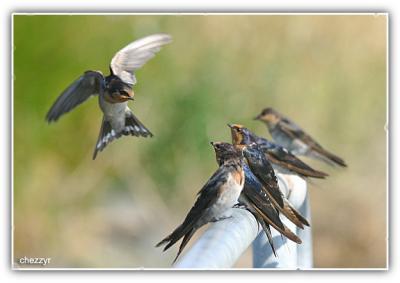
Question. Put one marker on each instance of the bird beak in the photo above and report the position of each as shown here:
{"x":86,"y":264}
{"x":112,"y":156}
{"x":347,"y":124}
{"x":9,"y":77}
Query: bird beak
{"x":212,"y":143}
{"x":257,"y":117}
{"x":130,"y":98}
{"x":230,"y":125}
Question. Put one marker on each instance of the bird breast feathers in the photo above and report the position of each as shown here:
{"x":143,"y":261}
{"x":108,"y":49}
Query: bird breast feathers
{"x":230,"y":191}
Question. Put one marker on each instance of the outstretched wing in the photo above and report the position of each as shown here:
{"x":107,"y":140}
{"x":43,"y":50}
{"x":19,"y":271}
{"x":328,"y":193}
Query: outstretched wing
{"x":90,"y":83}
{"x":135,"y":55}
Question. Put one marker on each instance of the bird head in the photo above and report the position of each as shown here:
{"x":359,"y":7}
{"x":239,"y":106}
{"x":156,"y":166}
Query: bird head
{"x":269,"y":116}
{"x":240,"y":134}
{"x":117,"y":91}
{"x":225,"y":151}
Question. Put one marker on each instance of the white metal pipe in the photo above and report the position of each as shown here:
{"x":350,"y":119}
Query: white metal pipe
{"x":224,"y":241}
{"x":289,"y":254}
{"x":305,"y":250}
{"x":286,"y":250}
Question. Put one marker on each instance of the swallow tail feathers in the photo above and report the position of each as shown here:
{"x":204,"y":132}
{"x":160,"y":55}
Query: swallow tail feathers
{"x":175,"y":236}
{"x":107,"y":135}
{"x":258,"y":205}
{"x":132,"y":127}
{"x":284,"y":230}
{"x":328,"y":157}
{"x":290,"y":212}
{"x":185,"y":231}
{"x":266,"y":229}
{"x":294,"y":215}
{"x":185,"y":240}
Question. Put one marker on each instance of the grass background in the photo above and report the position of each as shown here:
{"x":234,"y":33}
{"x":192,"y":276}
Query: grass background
{"x":328,"y":73}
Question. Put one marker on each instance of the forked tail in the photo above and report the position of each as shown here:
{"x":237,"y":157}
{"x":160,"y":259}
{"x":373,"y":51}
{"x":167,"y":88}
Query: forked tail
{"x":133,"y":127}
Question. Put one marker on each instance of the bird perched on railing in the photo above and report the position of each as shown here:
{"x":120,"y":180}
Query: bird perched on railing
{"x":264,"y":172}
{"x":215,"y":200}
{"x":114,"y":91}
{"x":287,"y":134}
{"x":280,"y":158}
{"x":255,"y":200}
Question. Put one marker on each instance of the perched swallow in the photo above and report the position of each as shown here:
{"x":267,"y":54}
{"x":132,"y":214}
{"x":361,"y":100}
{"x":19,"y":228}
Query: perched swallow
{"x":255,"y":200}
{"x":114,"y":91}
{"x":281,"y":158}
{"x":215,"y":199}
{"x":265,"y":174}
{"x":289,"y":135}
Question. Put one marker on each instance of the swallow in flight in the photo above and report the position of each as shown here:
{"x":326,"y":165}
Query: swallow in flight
{"x":113,"y":91}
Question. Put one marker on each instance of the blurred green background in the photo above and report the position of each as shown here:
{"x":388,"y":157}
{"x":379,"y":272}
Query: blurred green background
{"x":328,"y":73}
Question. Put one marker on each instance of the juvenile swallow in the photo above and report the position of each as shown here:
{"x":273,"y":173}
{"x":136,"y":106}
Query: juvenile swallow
{"x":215,"y":200}
{"x":289,"y":135}
{"x":281,"y":158}
{"x":114,"y":91}
{"x":265,"y":174}
{"x":255,"y":200}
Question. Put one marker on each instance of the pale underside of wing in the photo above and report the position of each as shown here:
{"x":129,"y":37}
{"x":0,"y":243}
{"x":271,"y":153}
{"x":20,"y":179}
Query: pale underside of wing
{"x":90,"y":83}
{"x":135,"y":55}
